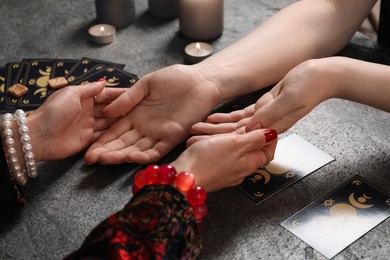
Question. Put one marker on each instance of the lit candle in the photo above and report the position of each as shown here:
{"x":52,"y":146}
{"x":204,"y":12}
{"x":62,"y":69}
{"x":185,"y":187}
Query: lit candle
{"x":201,"y":19}
{"x":102,"y":33}
{"x":198,"y":51}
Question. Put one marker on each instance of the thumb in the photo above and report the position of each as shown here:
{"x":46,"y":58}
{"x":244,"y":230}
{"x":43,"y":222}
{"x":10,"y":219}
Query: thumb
{"x":257,"y":139}
{"x":126,"y":101}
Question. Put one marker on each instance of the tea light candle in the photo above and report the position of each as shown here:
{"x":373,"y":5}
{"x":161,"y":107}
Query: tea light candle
{"x":102,"y":33}
{"x":201,"y":19}
{"x":198,"y":51}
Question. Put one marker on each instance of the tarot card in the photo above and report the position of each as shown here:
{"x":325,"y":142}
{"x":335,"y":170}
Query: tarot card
{"x":294,"y":159}
{"x":14,"y":71}
{"x":3,"y":73}
{"x":335,"y":221}
{"x":115,"y":78}
{"x":86,"y":66}
{"x":61,"y":67}
{"x":35,"y":78}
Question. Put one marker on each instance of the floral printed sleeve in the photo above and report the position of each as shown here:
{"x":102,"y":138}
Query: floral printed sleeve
{"x":157,"y":223}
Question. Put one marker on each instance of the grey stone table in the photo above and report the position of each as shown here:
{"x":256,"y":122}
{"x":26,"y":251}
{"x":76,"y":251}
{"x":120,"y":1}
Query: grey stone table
{"x":69,"y":198}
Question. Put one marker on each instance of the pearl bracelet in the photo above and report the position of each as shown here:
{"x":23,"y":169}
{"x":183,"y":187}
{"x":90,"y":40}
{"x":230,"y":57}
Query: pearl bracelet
{"x":12,"y":160}
{"x":31,"y":166}
{"x":30,"y":170}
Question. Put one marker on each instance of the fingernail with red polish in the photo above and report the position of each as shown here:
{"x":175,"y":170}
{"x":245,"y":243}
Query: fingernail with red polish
{"x":100,"y":80}
{"x":270,"y":135}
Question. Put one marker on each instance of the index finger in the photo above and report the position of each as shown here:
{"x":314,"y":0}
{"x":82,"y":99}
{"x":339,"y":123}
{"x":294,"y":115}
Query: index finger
{"x":89,"y":90}
{"x":109,"y":94}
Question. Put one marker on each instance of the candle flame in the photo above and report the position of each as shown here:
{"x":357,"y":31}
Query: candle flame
{"x":197,"y":46}
{"x":102,"y":29}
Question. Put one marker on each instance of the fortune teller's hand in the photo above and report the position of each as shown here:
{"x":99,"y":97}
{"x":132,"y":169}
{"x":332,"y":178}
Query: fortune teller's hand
{"x":292,"y":98}
{"x":158,"y":112}
{"x":302,"y":89}
{"x":65,"y":123}
{"x":222,"y":123}
{"x":224,"y":160}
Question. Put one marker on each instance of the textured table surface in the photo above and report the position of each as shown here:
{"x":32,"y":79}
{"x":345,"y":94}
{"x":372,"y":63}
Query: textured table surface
{"x":69,"y":198}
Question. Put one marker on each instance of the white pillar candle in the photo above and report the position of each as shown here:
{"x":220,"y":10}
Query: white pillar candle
{"x":164,"y":8}
{"x":201,"y":19}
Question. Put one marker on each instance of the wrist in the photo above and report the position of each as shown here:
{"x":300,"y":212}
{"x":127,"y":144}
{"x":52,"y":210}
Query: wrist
{"x":330,"y":75}
{"x":17,"y":145}
{"x":33,"y":123}
{"x":229,"y":82}
{"x":183,"y":181}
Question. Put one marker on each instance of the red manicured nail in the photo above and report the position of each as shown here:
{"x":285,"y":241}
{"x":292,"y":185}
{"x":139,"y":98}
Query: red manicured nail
{"x":270,"y":135}
{"x":100,"y":80}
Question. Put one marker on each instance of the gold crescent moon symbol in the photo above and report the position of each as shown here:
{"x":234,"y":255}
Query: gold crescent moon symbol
{"x":296,"y":222}
{"x":366,"y":197}
{"x":357,"y":204}
{"x":264,"y":174}
{"x":258,"y":194}
{"x":252,"y":179}
{"x":277,"y":168}
{"x":356,"y":182}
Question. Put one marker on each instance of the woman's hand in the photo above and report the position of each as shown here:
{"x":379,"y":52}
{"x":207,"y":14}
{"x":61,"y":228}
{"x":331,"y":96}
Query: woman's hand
{"x":158,"y":112}
{"x":65,"y":123}
{"x":302,"y":89}
{"x":220,"y":123}
{"x":292,"y":98}
{"x":224,"y":160}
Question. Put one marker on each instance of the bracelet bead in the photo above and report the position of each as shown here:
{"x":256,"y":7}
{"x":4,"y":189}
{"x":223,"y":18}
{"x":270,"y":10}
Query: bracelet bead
{"x":30,"y":163}
{"x":184,"y":182}
{"x":14,"y":166}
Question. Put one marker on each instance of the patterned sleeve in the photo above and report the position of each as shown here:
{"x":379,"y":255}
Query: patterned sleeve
{"x":157,"y":223}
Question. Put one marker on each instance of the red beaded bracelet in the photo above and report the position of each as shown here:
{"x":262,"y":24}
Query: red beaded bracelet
{"x":184,"y":182}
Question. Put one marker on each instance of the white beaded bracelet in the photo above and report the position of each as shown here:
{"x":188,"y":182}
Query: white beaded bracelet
{"x":31,"y":166}
{"x":12,"y":160}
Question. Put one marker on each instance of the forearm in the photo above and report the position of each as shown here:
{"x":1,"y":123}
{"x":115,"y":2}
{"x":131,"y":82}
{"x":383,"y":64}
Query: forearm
{"x":360,"y":81}
{"x":304,"y":30}
{"x":156,"y":223}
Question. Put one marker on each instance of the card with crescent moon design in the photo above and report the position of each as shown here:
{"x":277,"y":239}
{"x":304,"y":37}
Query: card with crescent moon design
{"x":3,"y":73}
{"x":87,"y":65}
{"x":294,"y":159}
{"x":35,"y":73}
{"x":35,"y":77}
{"x":335,"y":221}
{"x":14,"y":75}
{"x":115,"y":78}
{"x":61,"y":67}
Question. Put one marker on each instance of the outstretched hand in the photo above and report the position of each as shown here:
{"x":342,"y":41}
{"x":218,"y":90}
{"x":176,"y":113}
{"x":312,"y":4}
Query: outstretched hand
{"x":224,"y":160}
{"x":302,"y":89}
{"x":220,"y":123}
{"x":292,"y":98}
{"x":158,"y":112}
